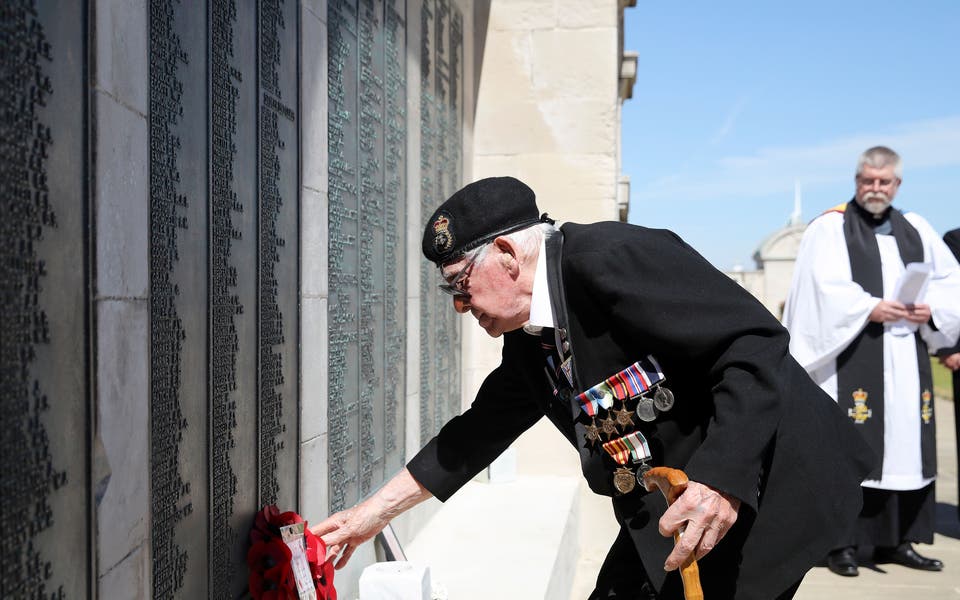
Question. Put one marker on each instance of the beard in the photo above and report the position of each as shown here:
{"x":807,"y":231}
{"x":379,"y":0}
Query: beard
{"x":876,"y":203}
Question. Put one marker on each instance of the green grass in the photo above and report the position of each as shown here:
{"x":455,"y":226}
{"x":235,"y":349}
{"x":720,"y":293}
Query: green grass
{"x":942,"y":384}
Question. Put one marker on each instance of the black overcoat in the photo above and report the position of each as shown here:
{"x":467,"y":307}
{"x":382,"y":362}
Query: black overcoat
{"x":747,"y":419}
{"x":952,"y":240}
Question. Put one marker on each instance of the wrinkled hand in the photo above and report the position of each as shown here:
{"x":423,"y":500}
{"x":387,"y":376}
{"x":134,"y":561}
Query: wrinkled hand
{"x":951,"y":361}
{"x":890,"y":310}
{"x":342,"y":532}
{"x":708,"y":515}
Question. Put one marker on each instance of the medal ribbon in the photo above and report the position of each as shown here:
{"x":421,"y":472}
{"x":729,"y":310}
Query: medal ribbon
{"x":589,"y":405}
{"x":599,"y":395}
{"x":641,"y":376}
{"x":628,"y":383}
{"x":633,"y":447}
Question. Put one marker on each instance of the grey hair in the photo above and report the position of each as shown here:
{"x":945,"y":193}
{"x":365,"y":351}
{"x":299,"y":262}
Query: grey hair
{"x":879,"y":157}
{"x":528,"y":241}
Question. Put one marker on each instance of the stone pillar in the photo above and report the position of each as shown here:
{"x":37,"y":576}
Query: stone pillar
{"x":121,"y":296}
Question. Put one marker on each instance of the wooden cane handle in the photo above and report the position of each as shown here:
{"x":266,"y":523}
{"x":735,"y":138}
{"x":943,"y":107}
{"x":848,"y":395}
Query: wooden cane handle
{"x":672,"y":483}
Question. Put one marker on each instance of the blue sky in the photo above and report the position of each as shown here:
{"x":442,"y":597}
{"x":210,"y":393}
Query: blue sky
{"x":736,"y":100}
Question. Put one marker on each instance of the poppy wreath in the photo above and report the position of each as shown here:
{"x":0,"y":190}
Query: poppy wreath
{"x":271,"y":574}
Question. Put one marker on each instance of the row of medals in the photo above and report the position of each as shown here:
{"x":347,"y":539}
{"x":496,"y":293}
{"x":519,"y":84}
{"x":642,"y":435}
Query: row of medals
{"x":620,"y":421}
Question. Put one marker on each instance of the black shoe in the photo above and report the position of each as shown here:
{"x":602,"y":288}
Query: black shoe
{"x":843,"y":561}
{"x":905,"y":555}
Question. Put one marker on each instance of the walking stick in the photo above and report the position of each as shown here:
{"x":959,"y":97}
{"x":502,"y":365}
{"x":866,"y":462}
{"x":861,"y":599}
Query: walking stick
{"x":672,"y":482}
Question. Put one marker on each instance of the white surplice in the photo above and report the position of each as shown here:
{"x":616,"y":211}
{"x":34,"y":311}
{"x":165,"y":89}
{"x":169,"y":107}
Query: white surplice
{"x":826,"y":310}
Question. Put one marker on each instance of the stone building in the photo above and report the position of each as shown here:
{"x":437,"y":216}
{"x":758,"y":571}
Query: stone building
{"x":213,"y":295}
{"x":774,"y":259}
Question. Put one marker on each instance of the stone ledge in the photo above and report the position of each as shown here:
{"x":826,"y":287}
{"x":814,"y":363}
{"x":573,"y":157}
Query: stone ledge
{"x":503,"y":540}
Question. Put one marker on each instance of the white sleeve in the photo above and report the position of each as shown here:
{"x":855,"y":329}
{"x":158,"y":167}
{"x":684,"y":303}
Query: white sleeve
{"x":943,"y":290}
{"x":825,"y":309}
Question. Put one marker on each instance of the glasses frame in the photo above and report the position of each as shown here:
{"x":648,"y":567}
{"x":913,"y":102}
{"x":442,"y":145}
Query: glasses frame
{"x":871,"y":181}
{"x":454,"y":285}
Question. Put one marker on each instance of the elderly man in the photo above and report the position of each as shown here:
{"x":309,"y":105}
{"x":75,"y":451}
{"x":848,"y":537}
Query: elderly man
{"x":868,"y":348}
{"x":641,"y":354}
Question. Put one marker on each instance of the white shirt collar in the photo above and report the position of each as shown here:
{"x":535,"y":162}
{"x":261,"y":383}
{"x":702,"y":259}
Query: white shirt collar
{"x":541,"y":311}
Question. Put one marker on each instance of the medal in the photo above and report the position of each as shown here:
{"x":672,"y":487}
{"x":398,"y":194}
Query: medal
{"x":641,"y":470}
{"x":624,"y":417}
{"x":645,"y":410}
{"x":663,"y":399}
{"x":624,"y":480}
{"x":642,"y":377}
{"x":632,"y":448}
{"x":609,"y":427}
{"x":593,"y":432}
{"x":567,"y":368}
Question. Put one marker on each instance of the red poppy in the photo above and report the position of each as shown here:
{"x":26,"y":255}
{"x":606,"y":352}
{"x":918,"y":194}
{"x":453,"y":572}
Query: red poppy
{"x":263,"y":556}
{"x":287,"y":518}
{"x":269,"y":558}
{"x":264,"y":526}
{"x":276,"y":583}
{"x":316,"y":549}
{"x":322,"y":574}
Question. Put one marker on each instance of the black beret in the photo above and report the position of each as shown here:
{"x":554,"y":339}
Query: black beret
{"x":477,"y":214}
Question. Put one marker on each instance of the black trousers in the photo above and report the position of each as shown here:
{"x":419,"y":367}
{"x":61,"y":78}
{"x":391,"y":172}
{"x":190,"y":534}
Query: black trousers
{"x":956,"y":423}
{"x":623,"y":577}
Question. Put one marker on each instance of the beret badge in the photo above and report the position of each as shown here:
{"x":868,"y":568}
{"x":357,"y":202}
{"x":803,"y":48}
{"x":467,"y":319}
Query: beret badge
{"x":442,"y":237}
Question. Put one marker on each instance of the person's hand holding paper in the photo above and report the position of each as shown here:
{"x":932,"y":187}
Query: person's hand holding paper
{"x":910,"y":290}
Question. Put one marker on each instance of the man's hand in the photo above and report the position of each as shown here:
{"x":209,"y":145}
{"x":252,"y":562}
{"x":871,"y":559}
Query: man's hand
{"x":951,"y":361}
{"x":708,"y":515}
{"x":890,"y":310}
{"x":344,"y":531}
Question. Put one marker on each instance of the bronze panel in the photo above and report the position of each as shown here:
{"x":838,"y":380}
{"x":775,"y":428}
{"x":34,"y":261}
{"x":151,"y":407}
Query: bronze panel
{"x":367,"y":142}
{"x":45,"y":519}
{"x":441,"y":174}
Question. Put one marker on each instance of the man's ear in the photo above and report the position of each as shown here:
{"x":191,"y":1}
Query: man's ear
{"x":507,"y":254}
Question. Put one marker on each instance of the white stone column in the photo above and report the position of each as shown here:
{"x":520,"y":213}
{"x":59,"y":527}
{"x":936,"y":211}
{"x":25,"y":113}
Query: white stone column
{"x":121,"y":204}
{"x":314,"y":488}
{"x":413,"y":231}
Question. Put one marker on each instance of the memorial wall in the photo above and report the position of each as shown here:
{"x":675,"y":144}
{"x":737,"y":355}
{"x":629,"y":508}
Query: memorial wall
{"x":213,"y":296}
{"x":368,"y":198}
{"x":168,"y":170}
{"x":223,"y":283}
{"x":367,"y":208}
{"x":46,"y":513}
{"x":441,"y":174}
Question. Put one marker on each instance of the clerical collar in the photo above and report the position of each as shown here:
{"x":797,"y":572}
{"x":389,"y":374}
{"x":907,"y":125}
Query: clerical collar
{"x":541,"y":311}
{"x":881,"y":224}
{"x":883,"y":227}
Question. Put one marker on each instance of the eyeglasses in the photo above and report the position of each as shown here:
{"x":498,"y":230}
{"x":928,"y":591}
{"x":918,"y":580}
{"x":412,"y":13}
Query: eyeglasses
{"x":869,"y":182}
{"x":456,"y":286}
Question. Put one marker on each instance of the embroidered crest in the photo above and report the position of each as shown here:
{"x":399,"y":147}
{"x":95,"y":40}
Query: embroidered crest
{"x":859,"y":413}
{"x":926,"y":409}
{"x":442,"y":237}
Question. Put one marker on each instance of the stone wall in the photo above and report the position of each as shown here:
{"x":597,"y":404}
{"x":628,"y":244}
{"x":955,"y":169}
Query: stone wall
{"x":194,"y":342}
{"x":548,"y":104}
{"x":548,"y":113}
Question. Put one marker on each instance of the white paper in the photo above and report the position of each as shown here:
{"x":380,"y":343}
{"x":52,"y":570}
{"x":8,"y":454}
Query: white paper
{"x":912,"y":283}
{"x":910,"y":289}
{"x":292,"y":536}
